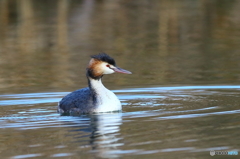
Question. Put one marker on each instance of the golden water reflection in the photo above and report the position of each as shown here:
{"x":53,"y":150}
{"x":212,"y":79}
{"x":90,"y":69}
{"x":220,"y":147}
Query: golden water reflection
{"x":48,"y":43}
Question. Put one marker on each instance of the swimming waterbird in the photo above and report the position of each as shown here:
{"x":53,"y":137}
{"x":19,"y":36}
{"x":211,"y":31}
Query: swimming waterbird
{"x":95,"y":98}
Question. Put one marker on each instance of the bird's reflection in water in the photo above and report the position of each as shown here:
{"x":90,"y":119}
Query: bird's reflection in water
{"x":104,"y":132}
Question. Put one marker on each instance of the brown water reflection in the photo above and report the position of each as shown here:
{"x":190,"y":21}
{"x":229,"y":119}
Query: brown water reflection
{"x":48,"y":43}
{"x":45,"y":47}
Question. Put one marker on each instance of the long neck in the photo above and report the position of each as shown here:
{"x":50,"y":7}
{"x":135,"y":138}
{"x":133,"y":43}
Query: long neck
{"x":94,"y":82}
{"x":97,"y":89}
{"x":95,"y":85}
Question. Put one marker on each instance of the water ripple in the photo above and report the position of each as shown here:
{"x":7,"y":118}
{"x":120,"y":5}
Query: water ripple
{"x":198,"y":115}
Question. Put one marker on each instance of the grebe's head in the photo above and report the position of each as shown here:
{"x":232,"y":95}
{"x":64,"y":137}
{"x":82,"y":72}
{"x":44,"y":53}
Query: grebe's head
{"x":102,"y":64}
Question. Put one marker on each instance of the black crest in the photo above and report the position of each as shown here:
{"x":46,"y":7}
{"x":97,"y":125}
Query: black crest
{"x":104,"y":57}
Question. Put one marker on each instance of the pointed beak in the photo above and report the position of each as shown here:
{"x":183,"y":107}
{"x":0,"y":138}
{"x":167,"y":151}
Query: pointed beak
{"x":120,"y":70}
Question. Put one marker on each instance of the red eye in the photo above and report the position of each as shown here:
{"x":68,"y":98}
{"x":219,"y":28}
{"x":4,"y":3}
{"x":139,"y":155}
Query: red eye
{"x":108,"y":65}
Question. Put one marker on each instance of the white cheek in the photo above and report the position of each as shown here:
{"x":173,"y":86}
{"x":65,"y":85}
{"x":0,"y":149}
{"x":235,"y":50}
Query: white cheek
{"x":106,"y":70}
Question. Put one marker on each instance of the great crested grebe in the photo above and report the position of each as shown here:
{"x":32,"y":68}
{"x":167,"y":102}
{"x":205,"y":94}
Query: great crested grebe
{"x":94,"y":98}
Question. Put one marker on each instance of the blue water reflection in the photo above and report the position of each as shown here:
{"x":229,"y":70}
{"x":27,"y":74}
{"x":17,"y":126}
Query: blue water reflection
{"x":178,"y":114}
{"x":102,"y":131}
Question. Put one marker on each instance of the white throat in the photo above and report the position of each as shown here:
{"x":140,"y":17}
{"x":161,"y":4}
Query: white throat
{"x":107,"y":101}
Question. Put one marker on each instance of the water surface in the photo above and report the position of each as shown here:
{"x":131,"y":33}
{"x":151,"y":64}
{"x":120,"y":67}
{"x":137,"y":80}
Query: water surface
{"x":181,"y":101}
{"x":184,"y":121}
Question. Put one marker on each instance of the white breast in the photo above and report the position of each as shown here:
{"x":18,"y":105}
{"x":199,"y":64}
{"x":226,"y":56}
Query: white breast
{"x":107,"y":101}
